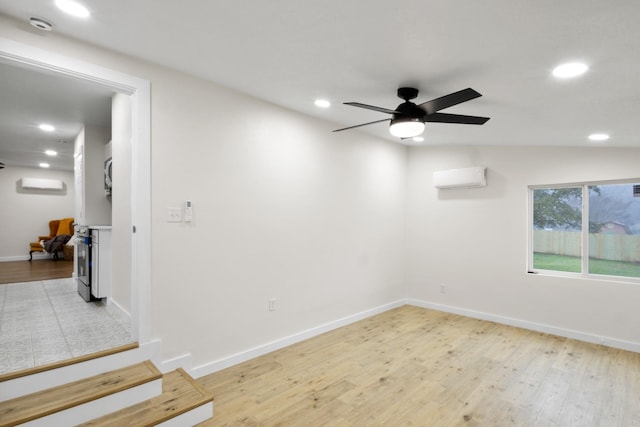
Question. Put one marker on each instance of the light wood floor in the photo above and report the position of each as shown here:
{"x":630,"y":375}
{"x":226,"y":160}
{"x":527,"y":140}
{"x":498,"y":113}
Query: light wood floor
{"x":38,"y":269}
{"x":412,"y":366}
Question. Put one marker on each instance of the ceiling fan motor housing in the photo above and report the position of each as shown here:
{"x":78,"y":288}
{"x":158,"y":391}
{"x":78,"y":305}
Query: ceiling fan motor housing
{"x":409,"y":109}
{"x":407,"y":93}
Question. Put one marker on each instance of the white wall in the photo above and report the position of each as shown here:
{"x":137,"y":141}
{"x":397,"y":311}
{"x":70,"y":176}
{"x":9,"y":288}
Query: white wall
{"x":92,"y":207}
{"x":97,"y":205}
{"x":475,"y":240}
{"x":25,"y":214}
{"x":78,"y":177}
{"x":121,"y":199}
{"x":283,"y":208}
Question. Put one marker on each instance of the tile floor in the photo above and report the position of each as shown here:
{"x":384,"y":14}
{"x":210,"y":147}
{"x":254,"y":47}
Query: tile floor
{"x":47,"y":321}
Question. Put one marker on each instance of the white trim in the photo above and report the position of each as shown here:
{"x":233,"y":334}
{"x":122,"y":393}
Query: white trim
{"x":533,"y":326}
{"x":116,"y":310}
{"x":140,"y":92}
{"x":586,"y":276}
{"x":183,"y":362}
{"x":585,"y":249}
{"x":587,"y":183}
{"x":141,"y":210}
{"x":12,"y":51}
{"x":529,"y":264}
{"x":260,"y":350}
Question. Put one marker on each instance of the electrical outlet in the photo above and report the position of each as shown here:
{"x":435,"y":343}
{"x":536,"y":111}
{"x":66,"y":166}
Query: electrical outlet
{"x":443,"y":288}
{"x":272,"y":304}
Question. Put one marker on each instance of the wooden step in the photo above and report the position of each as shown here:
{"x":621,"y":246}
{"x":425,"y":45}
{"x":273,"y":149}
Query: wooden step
{"x":98,"y":363}
{"x":181,"y":394}
{"x":62,"y":363}
{"x":59,"y":400}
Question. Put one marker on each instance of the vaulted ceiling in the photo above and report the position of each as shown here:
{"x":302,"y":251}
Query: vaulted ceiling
{"x":292,"y":52}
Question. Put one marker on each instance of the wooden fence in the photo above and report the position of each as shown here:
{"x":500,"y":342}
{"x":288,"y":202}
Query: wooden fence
{"x":615,"y":247}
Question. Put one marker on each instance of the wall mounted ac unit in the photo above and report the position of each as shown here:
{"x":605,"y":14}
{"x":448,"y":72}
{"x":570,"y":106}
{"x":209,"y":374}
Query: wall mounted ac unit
{"x":455,"y":178}
{"x":41,"y":184}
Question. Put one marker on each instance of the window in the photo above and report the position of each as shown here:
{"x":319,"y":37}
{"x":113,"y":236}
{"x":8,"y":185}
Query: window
{"x":586,"y":230}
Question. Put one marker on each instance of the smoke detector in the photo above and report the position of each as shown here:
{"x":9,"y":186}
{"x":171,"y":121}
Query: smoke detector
{"x":40,"y":24}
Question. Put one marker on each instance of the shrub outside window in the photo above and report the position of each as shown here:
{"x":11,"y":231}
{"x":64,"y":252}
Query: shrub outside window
{"x":586,"y":229}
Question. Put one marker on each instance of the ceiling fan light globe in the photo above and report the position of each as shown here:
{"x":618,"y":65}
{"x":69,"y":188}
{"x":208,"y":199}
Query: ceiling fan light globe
{"x":406,"y":128}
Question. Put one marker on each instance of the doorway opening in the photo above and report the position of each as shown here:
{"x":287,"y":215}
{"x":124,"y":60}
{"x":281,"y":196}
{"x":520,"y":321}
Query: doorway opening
{"x":131,"y":230}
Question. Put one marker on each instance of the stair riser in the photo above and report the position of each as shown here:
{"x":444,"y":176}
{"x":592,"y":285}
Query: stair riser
{"x":99,"y":407}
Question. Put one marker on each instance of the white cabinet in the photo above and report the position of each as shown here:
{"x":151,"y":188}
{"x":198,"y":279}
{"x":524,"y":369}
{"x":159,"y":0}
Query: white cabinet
{"x":100,"y":261}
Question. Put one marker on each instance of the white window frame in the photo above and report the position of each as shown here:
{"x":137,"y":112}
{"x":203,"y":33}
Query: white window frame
{"x":584,"y":274}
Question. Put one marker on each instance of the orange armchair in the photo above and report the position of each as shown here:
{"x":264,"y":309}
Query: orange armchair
{"x":57,"y":227}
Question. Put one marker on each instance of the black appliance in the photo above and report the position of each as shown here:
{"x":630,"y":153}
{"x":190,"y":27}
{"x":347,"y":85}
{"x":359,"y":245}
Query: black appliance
{"x":83,"y":269}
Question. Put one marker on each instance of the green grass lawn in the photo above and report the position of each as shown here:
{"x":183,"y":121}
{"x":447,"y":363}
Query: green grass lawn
{"x":596,"y":266}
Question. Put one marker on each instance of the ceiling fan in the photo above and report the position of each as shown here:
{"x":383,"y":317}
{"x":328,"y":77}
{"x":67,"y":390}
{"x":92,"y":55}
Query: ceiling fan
{"x":408,"y":119}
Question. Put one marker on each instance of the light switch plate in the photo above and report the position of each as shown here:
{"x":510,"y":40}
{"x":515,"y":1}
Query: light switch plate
{"x":174,"y":214}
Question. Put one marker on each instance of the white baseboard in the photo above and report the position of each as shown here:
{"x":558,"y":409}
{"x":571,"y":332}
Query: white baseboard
{"x":260,"y":350}
{"x":533,"y":326}
{"x":116,"y":310}
{"x":183,"y":362}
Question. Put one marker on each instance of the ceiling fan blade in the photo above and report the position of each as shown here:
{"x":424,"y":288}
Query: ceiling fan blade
{"x":449,"y":100}
{"x":372,"y":107}
{"x":363,"y":124}
{"x":455,"y":118}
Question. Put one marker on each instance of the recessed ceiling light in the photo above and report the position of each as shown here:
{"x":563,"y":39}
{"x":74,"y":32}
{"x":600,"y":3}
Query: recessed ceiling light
{"x":322,"y":103}
{"x":570,"y":69}
{"x":51,"y":153}
{"x":46,"y":127}
{"x":598,"y":137}
{"x":418,"y":139}
{"x":73,"y":8}
{"x":44,"y":165}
